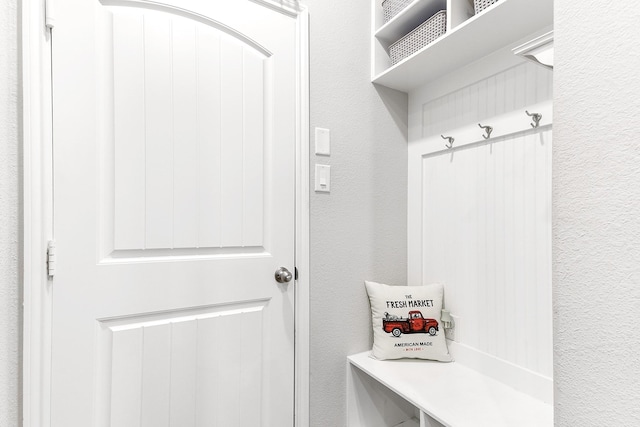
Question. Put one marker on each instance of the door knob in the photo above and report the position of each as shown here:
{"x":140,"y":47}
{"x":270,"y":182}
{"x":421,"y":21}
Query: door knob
{"x":283,"y":275}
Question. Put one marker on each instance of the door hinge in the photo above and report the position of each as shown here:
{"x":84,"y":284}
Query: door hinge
{"x":49,"y":14}
{"x":51,"y":258}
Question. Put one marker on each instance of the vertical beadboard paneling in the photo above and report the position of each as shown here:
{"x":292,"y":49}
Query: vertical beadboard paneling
{"x":189,"y":135}
{"x":129,"y":132}
{"x":531,"y":250}
{"x":481,"y":292}
{"x":159,"y":131}
{"x":231,"y":97}
{"x":183,"y":374}
{"x":431,"y":212}
{"x":126,"y":378}
{"x":482,"y":89}
{"x":512,"y":89}
{"x":185,"y":135}
{"x":485,"y":234}
{"x":543,"y":261}
{"x":180,"y":369}
{"x":250,"y":373}
{"x":493,"y":232}
{"x":229,"y":364}
{"x":253,"y":168}
{"x":464,"y":298}
{"x":509,"y":195}
{"x":207,"y":384}
{"x":156,"y":368}
{"x":531,"y":83}
{"x":209,"y":151}
{"x":501,"y":92}
{"x":486,"y":219}
{"x":429,"y":216}
{"x":520,"y":253}
{"x":520,"y":97}
{"x":490,"y":101}
{"x":499,"y":245}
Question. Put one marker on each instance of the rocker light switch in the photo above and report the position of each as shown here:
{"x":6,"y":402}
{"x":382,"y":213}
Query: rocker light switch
{"x":323,"y":141}
{"x":323,"y":178}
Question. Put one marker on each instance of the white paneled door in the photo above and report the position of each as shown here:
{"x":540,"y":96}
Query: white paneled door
{"x":174,"y":179}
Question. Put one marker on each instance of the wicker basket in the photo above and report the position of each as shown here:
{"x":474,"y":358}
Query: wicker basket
{"x":391,"y":8}
{"x":481,"y":5}
{"x":424,"y":34}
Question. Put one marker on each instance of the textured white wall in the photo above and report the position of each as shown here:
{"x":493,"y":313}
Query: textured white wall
{"x":596,"y":244}
{"x":358,"y":231}
{"x":10,"y":308}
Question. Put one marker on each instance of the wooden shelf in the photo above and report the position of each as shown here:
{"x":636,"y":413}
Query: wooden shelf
{"x":449,"y":393}
{"x":502,"y":24}
{"x":408,"y":19}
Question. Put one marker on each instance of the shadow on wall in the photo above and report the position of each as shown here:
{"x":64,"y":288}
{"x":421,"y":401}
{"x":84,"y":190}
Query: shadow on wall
{"x":396,"y":103}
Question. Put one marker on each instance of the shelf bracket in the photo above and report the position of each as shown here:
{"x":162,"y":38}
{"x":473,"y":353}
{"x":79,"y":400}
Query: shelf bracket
{"x":538,"y":50}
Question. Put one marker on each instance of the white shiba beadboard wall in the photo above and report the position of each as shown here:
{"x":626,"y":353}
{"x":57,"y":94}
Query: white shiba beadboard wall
{"x":480,"y":219}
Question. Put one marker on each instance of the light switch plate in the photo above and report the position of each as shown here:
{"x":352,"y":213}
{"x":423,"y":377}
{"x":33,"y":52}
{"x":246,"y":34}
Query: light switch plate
{"x":323,"y":142}
{"x":323,"y":179}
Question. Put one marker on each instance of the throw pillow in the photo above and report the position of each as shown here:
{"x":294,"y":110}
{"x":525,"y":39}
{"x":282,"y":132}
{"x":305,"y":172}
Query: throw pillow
{"x":406,"y":322}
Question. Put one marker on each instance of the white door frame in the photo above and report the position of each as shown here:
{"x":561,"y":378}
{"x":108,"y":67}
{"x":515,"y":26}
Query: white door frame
{"x":38,"y":209}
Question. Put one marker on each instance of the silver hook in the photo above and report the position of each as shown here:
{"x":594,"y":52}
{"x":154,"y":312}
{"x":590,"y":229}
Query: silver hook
{"x":487,"y":129}
{"x":536,"y":117}
{"x":450,"y":143}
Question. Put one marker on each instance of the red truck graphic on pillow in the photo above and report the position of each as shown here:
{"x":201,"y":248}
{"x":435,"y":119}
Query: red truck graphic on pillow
{"x":415,"y":323}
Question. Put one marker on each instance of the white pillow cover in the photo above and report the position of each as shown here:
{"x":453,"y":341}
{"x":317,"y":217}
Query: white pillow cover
{"x":406,"y":322}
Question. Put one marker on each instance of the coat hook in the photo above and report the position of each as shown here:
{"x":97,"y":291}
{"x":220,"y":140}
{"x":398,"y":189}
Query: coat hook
{"x":536,"y":117}
{"x":450,"y":143}
{"x":487,"y":129}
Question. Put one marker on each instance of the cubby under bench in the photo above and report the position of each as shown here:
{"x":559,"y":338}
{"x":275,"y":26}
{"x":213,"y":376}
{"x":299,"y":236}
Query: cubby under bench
{"x":412,"y":393}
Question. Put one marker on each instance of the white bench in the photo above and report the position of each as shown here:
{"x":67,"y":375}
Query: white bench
{"x":412,"y":393}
